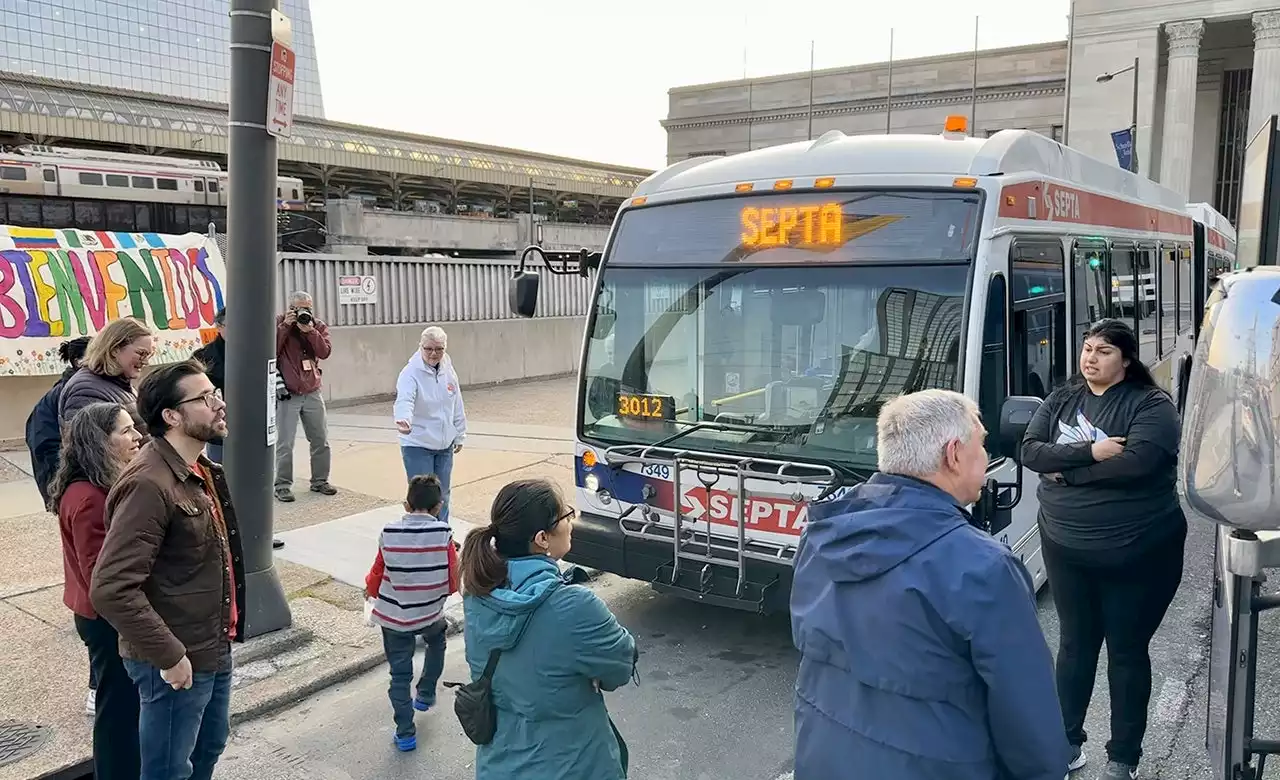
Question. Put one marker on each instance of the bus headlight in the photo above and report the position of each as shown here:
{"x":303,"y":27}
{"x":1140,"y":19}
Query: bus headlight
{"x":591,"y":483}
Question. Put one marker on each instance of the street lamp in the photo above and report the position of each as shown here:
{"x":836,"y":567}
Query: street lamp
{"x":1133,"y":121}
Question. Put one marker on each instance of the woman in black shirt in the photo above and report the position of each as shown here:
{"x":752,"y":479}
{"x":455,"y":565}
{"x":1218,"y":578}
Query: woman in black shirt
{"x":1111,"y":530}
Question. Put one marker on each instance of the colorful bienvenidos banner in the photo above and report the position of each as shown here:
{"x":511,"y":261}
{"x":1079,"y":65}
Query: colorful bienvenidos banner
{"x":59,"y":284}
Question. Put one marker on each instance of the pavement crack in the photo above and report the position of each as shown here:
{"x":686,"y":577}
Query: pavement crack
{"x":548,"y":459}
{"x":1204,"y":626}
{"x":31,"y":614}
{"x":28,"y":592}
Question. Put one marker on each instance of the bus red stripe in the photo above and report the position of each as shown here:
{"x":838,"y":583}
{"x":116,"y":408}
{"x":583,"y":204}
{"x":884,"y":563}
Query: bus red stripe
{"x":1053,"y":202}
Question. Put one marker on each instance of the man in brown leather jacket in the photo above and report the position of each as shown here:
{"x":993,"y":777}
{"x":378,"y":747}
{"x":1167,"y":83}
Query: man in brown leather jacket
{"x":170,"y":577}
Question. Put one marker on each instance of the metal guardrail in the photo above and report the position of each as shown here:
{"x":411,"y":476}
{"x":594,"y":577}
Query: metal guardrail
{"x":414,"y":290}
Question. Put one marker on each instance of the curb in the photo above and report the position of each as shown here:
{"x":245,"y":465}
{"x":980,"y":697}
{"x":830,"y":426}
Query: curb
{"x":321,"y":673}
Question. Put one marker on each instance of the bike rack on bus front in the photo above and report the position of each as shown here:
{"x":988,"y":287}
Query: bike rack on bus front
{"x":689,"y":543}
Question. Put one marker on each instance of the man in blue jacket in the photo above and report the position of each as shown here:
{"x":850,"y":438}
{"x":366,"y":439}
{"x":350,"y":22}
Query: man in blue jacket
{"x":921,"y":655}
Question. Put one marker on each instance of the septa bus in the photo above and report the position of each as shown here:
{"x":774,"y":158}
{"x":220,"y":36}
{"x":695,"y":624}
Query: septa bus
{"x":752,"y":313}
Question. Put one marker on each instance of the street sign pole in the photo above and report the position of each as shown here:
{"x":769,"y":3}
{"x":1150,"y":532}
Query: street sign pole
{"x":251,"y":298}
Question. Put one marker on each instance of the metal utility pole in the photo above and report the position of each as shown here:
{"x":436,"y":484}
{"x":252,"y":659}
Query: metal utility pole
{"x":888,"y":99}
{"x":1071,"y":48}
{"x":810,"y":90}
{"x":251,"y":293}
{"x":1133,"y":122}
{"x":973,"y":107}
{"x":1133,"y":115}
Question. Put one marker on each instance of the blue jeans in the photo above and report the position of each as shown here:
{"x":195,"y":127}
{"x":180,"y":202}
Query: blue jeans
{"x":399,"y":647}
{"x":181,"y":733}
{"x":420,"y":460}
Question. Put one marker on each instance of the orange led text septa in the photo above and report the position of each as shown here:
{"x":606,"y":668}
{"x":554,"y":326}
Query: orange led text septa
{"x":818,"y":225}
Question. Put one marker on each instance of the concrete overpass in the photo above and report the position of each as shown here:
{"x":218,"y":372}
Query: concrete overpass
{"x":334,"y":159}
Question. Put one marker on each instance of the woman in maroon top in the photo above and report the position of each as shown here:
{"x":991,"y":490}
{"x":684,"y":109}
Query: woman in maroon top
{"x":97,"y":443}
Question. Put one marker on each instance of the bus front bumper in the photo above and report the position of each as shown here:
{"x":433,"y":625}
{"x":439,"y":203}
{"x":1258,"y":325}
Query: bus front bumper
{"x":599,"y":543}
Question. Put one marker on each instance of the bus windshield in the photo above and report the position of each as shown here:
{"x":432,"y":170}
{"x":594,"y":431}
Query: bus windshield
{"x":774,"y":360}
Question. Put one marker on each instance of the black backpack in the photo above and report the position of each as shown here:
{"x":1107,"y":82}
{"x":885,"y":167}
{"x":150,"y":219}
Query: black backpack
{"x":473,"y":704}
{"x":473,"y":701}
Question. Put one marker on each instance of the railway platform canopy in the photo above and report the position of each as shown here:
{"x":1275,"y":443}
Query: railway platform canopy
{"x":336,"y":158}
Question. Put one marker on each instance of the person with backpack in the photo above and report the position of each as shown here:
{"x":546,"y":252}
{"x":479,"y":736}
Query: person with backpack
{"x":415,"y":572}
{"x":44,"y":433}
{"x":541,"y":649}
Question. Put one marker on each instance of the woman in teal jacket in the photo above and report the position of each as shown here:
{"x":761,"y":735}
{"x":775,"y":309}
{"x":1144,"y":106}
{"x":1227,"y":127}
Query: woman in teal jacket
{"x":561,"y":646}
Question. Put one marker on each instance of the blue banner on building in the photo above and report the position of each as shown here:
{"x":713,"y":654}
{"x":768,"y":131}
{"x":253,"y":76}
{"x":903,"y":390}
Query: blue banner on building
{"x":1126,"y":155}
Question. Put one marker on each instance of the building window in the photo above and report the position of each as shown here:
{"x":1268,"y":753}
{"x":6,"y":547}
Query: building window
{"x":1055,"y":132}
{"x":1233,"y":130}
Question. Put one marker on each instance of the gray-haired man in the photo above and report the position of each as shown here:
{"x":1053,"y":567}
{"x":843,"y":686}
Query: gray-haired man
{"x":921,"y":657}
{"x":302,"y":341}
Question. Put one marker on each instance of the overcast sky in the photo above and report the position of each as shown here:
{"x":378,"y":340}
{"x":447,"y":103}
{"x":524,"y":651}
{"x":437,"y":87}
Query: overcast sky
{"x":590,"y":80}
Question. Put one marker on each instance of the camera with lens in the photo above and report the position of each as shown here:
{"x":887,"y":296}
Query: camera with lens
{"x":304,"y":316}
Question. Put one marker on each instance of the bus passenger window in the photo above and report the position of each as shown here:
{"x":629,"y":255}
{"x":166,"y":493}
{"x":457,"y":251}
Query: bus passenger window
{"x":1168,"y":298}
{"x":1090,"y":291}
{"x":1039,"y":316}
{"x":993,"y":382}
{"x":1147,"y":287}
{"x":1122,"y":295}
{"x":1186,"y":317}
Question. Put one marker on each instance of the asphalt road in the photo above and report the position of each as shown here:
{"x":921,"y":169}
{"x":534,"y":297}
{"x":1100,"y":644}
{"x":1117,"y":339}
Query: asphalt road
{"x":715,"y":700}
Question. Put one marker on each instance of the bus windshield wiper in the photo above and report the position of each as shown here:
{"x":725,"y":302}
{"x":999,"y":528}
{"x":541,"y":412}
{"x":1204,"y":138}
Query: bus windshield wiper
{"x":711,"y":425}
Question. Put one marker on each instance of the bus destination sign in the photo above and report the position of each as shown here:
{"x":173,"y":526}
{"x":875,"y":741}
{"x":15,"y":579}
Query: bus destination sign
{"x":815,"y":226}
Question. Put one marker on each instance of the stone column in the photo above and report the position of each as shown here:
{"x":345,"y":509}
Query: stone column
{"x":1265,"y":89}
{"x":1180,"y":104}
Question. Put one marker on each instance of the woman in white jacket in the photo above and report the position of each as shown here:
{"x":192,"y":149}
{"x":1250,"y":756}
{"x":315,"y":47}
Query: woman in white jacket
{"x":429,"y":414}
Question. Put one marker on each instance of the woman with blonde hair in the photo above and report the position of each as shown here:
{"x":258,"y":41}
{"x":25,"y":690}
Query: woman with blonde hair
{"x":115,"y":359}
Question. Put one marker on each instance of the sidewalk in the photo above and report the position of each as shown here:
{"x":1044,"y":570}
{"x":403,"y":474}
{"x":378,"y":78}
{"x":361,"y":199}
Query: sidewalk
{"x":330,"y":543}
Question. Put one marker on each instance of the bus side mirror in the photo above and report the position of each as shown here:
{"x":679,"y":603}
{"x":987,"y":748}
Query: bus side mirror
{"x":522,"y":293}
{"x":1015,"y":416}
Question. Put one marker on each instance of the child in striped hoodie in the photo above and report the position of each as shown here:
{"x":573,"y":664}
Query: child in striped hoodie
{"x":415,"y":571}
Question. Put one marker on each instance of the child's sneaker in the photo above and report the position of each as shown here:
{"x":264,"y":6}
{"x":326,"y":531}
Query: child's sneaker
{"x":405,"y":744}
{"x":422,"y":705}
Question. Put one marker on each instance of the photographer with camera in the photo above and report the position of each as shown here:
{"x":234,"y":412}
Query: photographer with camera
{"x":302,"y":341}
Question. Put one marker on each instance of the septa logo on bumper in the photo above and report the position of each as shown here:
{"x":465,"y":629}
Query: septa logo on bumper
{"x":768,"y":514}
